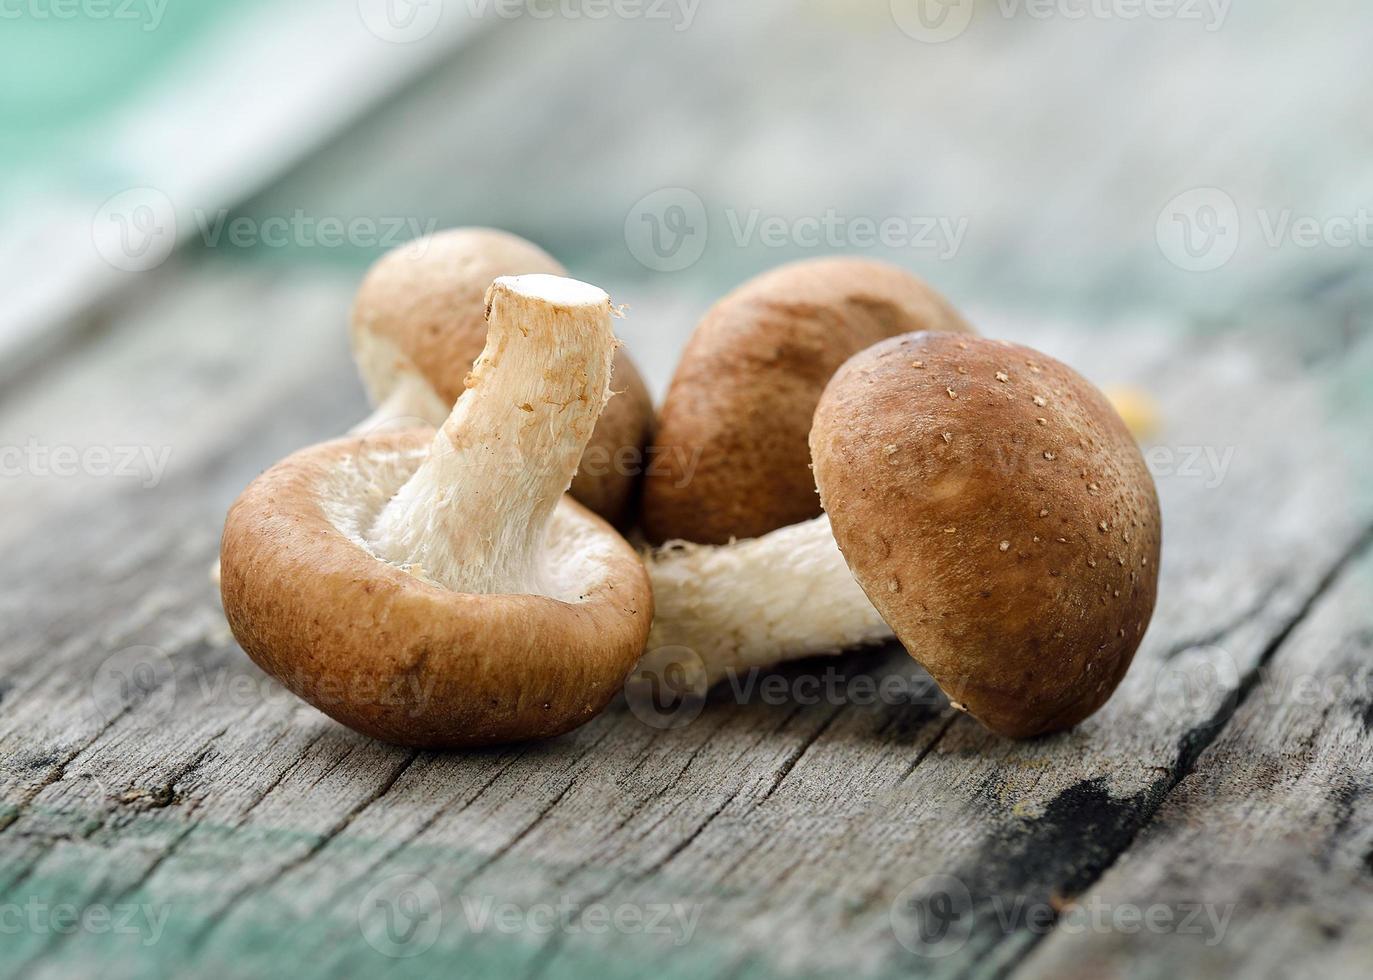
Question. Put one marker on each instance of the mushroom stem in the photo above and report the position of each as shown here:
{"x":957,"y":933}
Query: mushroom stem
{"x":749,"y":604}
{"x":474,"y":515}
{"x":412,"y":402}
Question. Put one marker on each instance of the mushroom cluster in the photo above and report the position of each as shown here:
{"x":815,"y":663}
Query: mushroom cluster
{"x":846,"y":462}
{"x":982,"y":503}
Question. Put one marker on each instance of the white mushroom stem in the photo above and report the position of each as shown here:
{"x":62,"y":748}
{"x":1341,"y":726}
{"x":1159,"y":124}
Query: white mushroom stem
{"x":756,"y":603}
{"x":411,"y":402}
{"x":474,"y":516}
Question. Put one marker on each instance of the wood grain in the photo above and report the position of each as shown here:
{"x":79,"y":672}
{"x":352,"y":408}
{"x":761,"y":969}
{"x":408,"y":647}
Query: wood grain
{"x":779,"y":833}
{"x":785,"y":830}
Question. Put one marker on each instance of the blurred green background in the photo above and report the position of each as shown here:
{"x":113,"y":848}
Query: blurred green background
{"x":61,"y":75}
{"x":1041,"y":152}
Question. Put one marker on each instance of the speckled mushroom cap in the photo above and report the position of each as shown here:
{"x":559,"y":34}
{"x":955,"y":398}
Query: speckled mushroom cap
{"x":730,"y":458}
{"x":406,"y":660}
{"x":999,"y":515}
{"x":420,"y":312}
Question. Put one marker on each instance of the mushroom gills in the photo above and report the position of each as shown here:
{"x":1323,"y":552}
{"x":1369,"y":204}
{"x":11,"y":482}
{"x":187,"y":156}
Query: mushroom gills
{"x":418,"y":325}
{"x":475,"y":514}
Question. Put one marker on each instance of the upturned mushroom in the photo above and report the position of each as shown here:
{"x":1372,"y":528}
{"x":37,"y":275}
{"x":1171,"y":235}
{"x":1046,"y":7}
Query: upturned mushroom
{"x":438,"y":589}
{"x":418,"y":324}
{"x":730,"y":453}
{"x":996,"y":511}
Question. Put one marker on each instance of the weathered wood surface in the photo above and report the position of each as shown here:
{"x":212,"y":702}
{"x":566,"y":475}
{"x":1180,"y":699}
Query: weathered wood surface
{"x":245,"y":833}
{"x":1272,"y":828}
{"x":786,"y":831}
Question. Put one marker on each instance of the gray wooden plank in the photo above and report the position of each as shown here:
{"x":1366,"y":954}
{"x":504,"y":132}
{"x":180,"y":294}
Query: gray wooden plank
{"x":787,"y":830}
{"x":1270,"y":836}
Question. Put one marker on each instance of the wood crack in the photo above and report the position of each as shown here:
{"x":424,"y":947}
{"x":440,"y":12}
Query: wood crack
{"x":790,"y":763}
{"x":1199,"y":738}
{"x":198,"y":940}
{"x":1124,"y":821}
{"x":55,"y":939}
{"x":924,"y":753}
{"x":58,"y":773}
{"x":280,"y":777}
{"x":1212,"y":637}
{"x":428,"y":822}
{"x":548,"y":952}
{"x":661,"y":791}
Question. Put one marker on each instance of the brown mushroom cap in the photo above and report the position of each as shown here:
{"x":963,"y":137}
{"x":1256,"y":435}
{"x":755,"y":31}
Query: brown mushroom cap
{"x":421,"y":311}
{"x":730,"y":458}
{"x":405,"y":660}
{"x":1000,"y":517}
{"x":438,"y":588}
